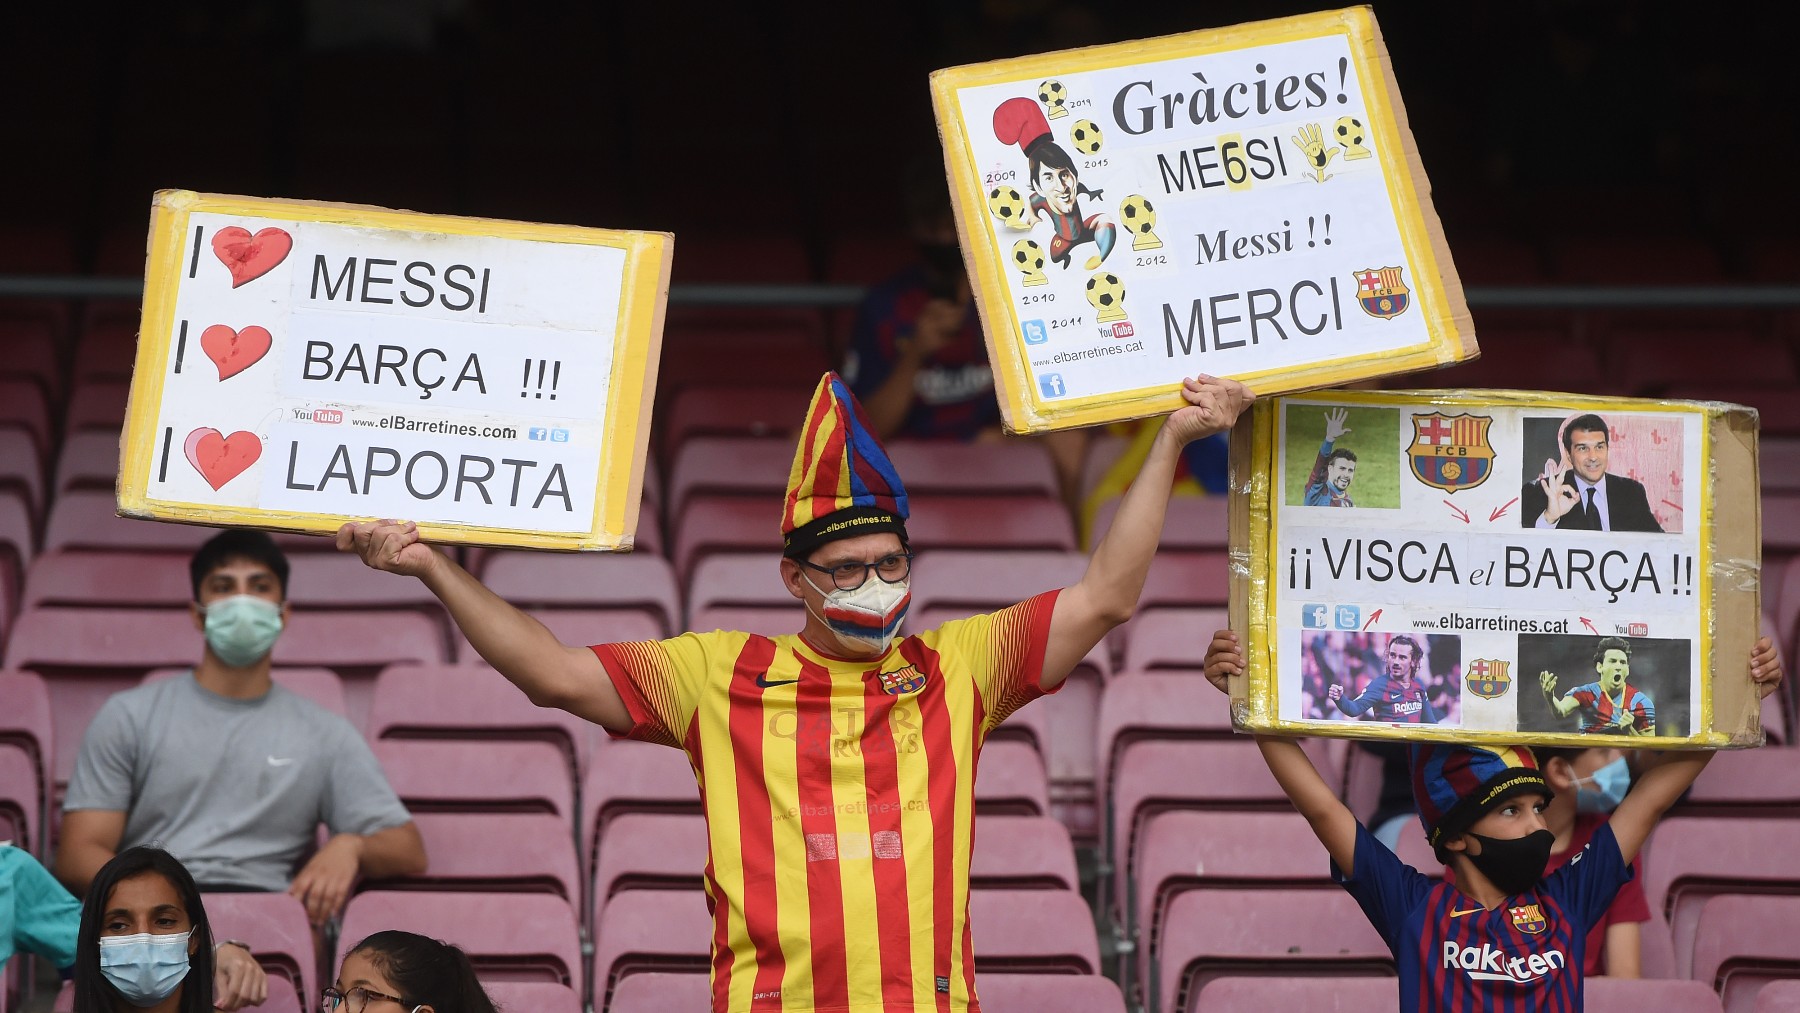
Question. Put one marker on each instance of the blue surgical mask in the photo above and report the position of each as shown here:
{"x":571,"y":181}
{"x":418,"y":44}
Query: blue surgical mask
{"x":1609,"y":786}
{"x":146,"y":968}
{"x":242,"y":629}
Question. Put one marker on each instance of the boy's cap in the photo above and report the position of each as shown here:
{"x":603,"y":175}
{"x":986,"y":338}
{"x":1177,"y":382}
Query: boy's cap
{"x":841,"y":484}
{"x":1453,"y":786}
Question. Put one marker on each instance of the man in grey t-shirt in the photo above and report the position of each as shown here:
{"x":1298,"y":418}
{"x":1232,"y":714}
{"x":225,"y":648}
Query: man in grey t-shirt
{"x":229,"y":772}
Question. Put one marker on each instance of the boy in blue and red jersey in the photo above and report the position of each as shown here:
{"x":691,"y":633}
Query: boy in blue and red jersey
{"x":1396,"y":695}
{"x":1504,"y":936}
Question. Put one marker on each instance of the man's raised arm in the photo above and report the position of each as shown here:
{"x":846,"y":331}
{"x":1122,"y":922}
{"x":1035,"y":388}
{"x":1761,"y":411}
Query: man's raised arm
{"x":518,"y":646}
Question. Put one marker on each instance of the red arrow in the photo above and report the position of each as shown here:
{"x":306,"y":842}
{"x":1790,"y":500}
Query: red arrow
{"x":1459,"y":511}
{"x":1372,"y":619}
{"x":1589,"y":625}
{"x":1500,"y":511}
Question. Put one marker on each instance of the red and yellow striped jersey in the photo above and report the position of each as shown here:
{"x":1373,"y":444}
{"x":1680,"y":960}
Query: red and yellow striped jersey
{"x":839,"y":799}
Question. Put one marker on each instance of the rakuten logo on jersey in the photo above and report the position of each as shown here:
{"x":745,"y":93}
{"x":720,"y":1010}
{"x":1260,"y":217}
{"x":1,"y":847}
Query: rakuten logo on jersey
{"x":1486,"y":963}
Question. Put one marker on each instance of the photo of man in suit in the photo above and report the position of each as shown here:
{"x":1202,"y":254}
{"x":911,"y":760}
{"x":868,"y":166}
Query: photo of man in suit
{"x":1579,"y":494}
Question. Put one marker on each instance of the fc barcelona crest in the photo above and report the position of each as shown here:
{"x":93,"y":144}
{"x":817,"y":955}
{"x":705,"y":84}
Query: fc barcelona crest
{"x":1381,"y":292}
{"x":1451,"y":452}
{"x":1488,"y":678}
{"x":902,"y":680}
{"x":1528,"y":918}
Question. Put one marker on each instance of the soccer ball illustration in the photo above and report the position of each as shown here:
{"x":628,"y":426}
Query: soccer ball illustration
{"x":1350,"y":135}
{"x":1054,"y":96}
{"x":1085,"y":137}
{"x":1028,"y":257}
{"x":1139,"y":217}
{"x":1107,"y":294}
{"x":1008,"y":205}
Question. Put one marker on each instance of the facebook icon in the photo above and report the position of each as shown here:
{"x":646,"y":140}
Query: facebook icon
{"x":537,"y":433}
{"x":1349,"y":617}
{"x":1315,"y":617}
{"x":1035,"y":334}
{"x":1051,"y":385}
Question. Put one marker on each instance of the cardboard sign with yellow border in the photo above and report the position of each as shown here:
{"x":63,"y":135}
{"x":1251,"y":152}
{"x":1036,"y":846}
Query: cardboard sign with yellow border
{"x":1497,"y":566}
{"x":1245,"y":202}
{"x":301,"y":364}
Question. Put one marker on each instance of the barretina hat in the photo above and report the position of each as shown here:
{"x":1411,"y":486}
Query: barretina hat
{"x":842,"y":483}
{"x":1453,"y":785}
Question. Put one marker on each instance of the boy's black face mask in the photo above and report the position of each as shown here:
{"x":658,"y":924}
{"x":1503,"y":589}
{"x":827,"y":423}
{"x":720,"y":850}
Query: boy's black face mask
{"x":1516,"y":865}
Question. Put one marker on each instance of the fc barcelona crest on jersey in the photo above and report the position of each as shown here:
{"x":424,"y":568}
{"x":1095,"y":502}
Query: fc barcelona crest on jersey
{"x":1528,"y":918}
{"x":1488,"y":678}
{"x":902,"y":681}
{"x":1451,"y":452}
{"x":1382,"y":293}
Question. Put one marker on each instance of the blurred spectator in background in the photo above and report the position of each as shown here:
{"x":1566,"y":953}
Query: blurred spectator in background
{"x":230,"y":771}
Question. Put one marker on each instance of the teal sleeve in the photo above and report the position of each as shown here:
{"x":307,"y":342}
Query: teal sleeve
{"x":45,"y":917}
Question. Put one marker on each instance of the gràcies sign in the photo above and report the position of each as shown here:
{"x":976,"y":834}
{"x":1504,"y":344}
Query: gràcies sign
{"x":302,"y":364}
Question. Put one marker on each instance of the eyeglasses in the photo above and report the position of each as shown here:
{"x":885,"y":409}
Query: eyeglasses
{"x":850,"y":576}
{"x":356,"y":1000}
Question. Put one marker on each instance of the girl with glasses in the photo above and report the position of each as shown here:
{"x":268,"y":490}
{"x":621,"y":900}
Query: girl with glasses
{"x":403,"y":972}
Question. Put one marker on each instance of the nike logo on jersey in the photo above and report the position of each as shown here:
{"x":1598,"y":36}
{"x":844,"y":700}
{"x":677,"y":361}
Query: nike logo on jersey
{"x":766,"y":683}
{"x":1459,"y":914}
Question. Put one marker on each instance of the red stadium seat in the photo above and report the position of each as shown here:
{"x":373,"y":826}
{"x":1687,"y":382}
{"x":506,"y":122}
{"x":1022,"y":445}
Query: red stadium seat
{"x":661,"y":992}
{"x":96,"y":405}
{"x":1014,"y":468}
{"x":85,"y":579}
{"x":1515,"y":360}
{"x":1282,"y":933}
{"x":725,"y":524}
{"x":1306,"y":992}
{"x":26,"y":720}
{"x":88,"y":519}
{"x":22,"y":468}
{"x":974,"y":581}
{"x":1691,"y":859}
{"x":980,"y":522}
{"x":280,"y":937}
{"x":1186,"y":580}
{"x":486,"y":777}
{"x":787,"y":348}
{"x":766,"y":621}
{"x":1746,"y":782}
{"x":1050,"y":993}
{"x":650,"y":851}
{"x":24,"y":407}
{"x":1778,"y":458}
{"x":508,"y":936}
{"x":641,"y":931}
{"x":741,"y":579}
{"x":1171,"y":638}
{"x":494,"y":852}
{"x":1743,"y":943}
{"x":1193,"y":523}
{"x":1032,"y":932}
{"x":325,"y":581}
{"x":869,"y":259}
{"x":1778,"y":418}
{"x":752,"y":466}
{"x":763,"y":257}
{"x":1103,"y":451}
{"x":1650,"y":362}
{"x":21,"y":799}
{"x":320,"y":685}
{"x":1022,"y":853}
{"x":1779,"y":997}
{"x":468,"y":703}
{"x":88,"y":460}
{"x":536,"y":996}
{"x":31,"y":354}
{"x":627,"y":776}
{"x":579,"y":628}
{"x":734,"y":410}
{"x":1010,"y":780}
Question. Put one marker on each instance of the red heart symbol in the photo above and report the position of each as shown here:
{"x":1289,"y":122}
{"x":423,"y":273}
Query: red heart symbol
{"x":234,"y":351}
{"x":219,"y":459}
{"x":250,"y":257}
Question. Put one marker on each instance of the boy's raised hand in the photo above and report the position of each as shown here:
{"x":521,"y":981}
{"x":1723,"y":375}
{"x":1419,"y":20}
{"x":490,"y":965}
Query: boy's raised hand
{"x":1765,"y":666}
{"x":1224,"y":659}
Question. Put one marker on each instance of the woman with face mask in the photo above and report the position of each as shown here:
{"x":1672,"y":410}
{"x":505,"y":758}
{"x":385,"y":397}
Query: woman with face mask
{"x":144,"y":942}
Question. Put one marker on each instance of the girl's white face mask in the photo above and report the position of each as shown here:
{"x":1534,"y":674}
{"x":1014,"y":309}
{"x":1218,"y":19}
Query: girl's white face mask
{"x":866,"y":619}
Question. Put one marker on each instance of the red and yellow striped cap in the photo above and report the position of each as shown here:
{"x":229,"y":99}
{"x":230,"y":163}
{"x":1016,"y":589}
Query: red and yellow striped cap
{"x":842,"y":483}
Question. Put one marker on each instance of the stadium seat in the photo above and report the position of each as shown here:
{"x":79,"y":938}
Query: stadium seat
{"x":495,"y":853}
{"x":1514,"y":360}
{"x":495,"y":777}
{"x":1022,"y":853}
{"x":88,"y":519}
{"x":1285,"y":933}
{"x":96,"y":405}
{"x":1778,"y":419}
{"x":641,"y":931}
{"x":626,"y":776}
{"x":734,"y":410}
{"x":725,"y":524}
{"x":280,"y":937}
{"x":1742,"y":943}
{"x":765,"y":621}
{"x":22,"y":467}
{"x":1691,"y":859}
{"x":868,"y":259}
{"x":1746,"y":782}
{"x":1634,"y":260}
{"x":1779,"y":997}
{"x":105,"y":352}
{"x":650,"y":851}
{"x":468,"y":703}
{"x":320,"y":685}
{"x":1781,"y":522}
{"x":88,"y":460}
{"x":1032,"y":932}
{"x":1015,"y":469}
{"x":1049,"y":993}
{"x":1192,"y":523}
{"x":741,"y":579}
{"x":31,"y":354}
{"x":579,"y":628}
{"x":108,"y":578}
{"x":327,"y":581}
{"x":973,"y":581}
{"x":552,"y":580}
{"x":24,"y":407}
{"x":21,"y":799}
{"x":980,"y":522}
{"x":1317,"y":994}
{"x":751,"y":466}
{"x":1010,"y":780}
{"x":508,"y":936}
{"x":1186,"y":580}
{"x":26,"y":719}
{"x":535,"y":996}
{"x":1170,"y":638}
{"x":660,"y":992}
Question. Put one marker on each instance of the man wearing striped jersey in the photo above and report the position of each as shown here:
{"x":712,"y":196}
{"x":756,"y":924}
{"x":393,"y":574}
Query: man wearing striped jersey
{"x":836,"y":765}
{"x":1503,"y":935}
{"x":1609,"y":705}
{"x":1395,"y":695}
